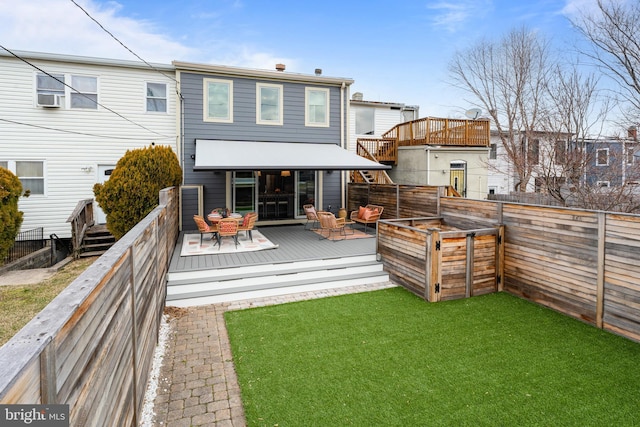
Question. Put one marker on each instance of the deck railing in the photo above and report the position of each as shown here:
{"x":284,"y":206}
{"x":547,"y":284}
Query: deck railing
{"x":437,"y":131}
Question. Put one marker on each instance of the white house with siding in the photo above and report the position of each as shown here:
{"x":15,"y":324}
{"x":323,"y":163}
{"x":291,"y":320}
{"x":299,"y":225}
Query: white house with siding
{"x":66,"y":120}
{"x":371,"y":119}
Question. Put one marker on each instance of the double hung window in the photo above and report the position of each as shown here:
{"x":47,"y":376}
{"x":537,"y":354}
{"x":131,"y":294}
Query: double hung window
{"x":269,"y":100}
{"x":157,"y":97}
{"x":218,"y":100}
{"x":317,"y":107}
{"x":30,"y":173}
{"x":85,"y":92}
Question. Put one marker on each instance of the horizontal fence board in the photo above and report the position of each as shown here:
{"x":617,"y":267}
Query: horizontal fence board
{"x":553,"y":256}
{"x":92,"y":325}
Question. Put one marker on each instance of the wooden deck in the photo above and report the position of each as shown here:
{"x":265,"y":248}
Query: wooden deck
{"x":295,"y":244}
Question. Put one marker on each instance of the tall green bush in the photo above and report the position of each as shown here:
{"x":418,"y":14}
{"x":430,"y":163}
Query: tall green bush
{"x":133,"y":188}
{"x":10,"y":216}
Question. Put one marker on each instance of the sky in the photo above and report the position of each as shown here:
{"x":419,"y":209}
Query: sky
{"x":395,"y":51}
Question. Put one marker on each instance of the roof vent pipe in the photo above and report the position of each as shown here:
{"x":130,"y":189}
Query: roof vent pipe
{"x":318,"y":71}
{"x":280,"y":67}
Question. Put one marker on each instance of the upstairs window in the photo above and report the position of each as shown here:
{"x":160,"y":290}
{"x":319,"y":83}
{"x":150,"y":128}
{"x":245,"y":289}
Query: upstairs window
{"x":157,"y":97}
{"x":218,"y":101}
{"x":534,"y":151}
{"x":317,"y":107}
{"x":365,"y":124}
{"x":50,"y":84}
{"x":630,"y":151}
{"x":269,"y":104}
{"x":84,"y":94}
{"x":493,"y":151}
{"x":602,"y":157}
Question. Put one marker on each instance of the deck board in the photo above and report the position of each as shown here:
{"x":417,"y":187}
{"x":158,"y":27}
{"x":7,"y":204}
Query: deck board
{"x":295,"y":244}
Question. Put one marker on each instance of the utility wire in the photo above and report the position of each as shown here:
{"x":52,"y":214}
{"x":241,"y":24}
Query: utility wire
{"x":80,"y":93}
{"x":125,"y":46}
{"x":76,"y":132}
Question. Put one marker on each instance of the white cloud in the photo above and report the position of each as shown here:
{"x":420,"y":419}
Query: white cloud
{"x":58,"y":26}
{"x":453,"y":16}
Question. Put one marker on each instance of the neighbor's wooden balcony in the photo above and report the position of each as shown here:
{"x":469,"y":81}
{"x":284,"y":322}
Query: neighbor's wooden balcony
{"x":435,"y":131}
{"x":426,"y":131}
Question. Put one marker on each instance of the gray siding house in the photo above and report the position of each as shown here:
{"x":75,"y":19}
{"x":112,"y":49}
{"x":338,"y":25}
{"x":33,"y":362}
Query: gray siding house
{"x":264,"y":141}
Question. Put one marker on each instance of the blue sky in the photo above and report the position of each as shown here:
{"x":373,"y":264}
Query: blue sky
{"x":396,"y":51}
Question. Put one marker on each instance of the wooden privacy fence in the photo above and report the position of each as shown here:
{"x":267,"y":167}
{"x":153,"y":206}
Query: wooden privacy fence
{"x":439,"y":262}
{"x":582,"y":263}
{"x":93,"y":345}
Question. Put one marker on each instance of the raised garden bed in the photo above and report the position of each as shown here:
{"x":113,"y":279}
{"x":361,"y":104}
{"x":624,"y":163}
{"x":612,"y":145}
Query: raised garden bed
{"x":438,"y":261}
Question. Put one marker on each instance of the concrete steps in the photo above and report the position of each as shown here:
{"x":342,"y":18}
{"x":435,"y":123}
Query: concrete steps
{"x":236,"y":283}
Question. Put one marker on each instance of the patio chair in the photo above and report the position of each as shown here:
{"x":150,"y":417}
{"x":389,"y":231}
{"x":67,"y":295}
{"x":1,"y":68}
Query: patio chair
{"x":205,"y":228}
{"x":227,"y":227}
{"x":247,"y":224}
{"x":312,"y":216}
{"x":330,"y":224}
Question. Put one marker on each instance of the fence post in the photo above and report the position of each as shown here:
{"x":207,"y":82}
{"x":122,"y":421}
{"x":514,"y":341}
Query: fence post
{"x":500,"y":256}
{"x":602,"y":224}
{"x":434,"y":263}
{"x":468,"y":292}
{"x":48,"y":378}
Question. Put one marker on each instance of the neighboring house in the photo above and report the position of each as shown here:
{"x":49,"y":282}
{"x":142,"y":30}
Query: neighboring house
{"x":612,"y":162}
{"x":435,"y":151}
{"x":66,"y":120}
{"x":371,"y":119}
{"x":263,"y":140}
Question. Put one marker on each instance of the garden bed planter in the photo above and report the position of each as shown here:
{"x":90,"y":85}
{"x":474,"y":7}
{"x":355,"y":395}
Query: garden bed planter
{"x":438,"y":261}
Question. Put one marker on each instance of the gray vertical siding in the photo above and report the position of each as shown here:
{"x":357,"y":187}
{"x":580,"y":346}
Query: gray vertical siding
{"x":244,"y":128}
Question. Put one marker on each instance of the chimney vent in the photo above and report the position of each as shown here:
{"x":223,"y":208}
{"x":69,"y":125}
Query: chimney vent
{"x":357,"y":96}
{"x":632,"y":132}
{"x":280,"y":67}
{"x":318,"y":71}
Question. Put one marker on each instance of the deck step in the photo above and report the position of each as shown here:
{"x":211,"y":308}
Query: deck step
{"x":236,"y":283}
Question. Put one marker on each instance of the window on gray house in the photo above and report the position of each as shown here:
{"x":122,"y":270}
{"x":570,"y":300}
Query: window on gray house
{"x":493,"y":152}
{"x":157,"y":97}
{"x":365,"y":121}
{"x":602,"y":157}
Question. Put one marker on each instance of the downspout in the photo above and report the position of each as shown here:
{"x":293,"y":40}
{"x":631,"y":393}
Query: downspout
{"x":428,"y":151}
{"x":343,"y":174}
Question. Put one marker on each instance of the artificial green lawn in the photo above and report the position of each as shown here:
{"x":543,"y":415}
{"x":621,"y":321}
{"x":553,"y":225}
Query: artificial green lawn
{"x":387,"y":358}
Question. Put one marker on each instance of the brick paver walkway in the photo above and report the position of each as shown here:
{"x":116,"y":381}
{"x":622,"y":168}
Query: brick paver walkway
{"x":198,"y":384}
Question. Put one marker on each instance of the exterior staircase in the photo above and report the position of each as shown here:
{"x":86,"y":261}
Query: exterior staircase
{"x":97,"y":240}
{"x":202,"y":287}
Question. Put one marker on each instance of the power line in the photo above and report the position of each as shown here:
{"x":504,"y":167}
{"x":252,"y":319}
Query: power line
{"x":125,"y":46}
{"x":76,"y":132}
{"x":80,"y":93}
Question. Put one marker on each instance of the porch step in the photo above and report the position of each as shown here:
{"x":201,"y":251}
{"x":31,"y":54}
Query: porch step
{"x":236,"y":283}
{"x":96,"y":241}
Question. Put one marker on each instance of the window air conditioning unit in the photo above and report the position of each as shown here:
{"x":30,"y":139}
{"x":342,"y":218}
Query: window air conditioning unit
{"x":48,"y":100}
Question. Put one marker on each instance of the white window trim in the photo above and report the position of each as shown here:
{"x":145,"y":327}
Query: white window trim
{"x":146,"y":97}
{"x":307,"y":121}
{"x":205,"y":109}
{"x":11,"y":165}
{"x":73,"y":91}
{"x":280,"y":120}
{"x":598,"y":157}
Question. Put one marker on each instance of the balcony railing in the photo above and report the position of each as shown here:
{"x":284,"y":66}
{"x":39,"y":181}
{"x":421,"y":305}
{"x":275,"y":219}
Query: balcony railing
{"x":436,"y":131}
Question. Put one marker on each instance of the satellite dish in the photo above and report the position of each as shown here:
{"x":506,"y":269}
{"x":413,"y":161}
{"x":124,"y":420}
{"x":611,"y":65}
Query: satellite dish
{"x":473,"y":113}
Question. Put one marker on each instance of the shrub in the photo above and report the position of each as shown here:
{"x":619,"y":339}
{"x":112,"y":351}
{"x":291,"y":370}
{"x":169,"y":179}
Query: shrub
{"x":133,"y":188}
{"x":10,"y":216}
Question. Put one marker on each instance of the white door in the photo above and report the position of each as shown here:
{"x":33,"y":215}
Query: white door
{"x":104,"y":172}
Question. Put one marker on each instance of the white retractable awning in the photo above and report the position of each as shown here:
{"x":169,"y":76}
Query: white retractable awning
{"x":256,"y":155}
